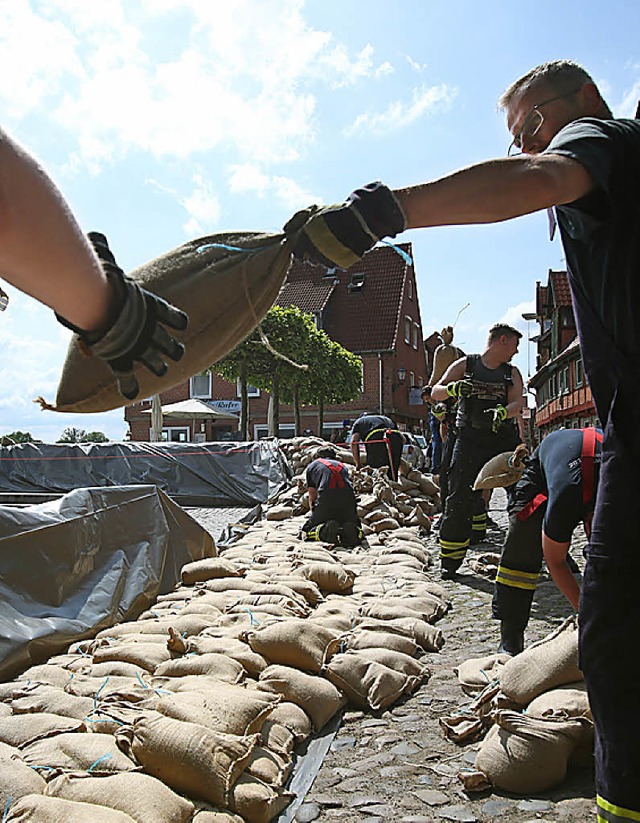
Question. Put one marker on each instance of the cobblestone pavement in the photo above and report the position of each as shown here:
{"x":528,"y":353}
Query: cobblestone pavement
{"x":398,"y":766}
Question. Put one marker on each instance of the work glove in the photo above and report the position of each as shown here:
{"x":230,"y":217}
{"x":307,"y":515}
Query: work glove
{"x":135,"y":330}
{"x":339,"y":235}
{"x":460,"y":388}
{"x":439,"y":410}
{"x":499,"y":416}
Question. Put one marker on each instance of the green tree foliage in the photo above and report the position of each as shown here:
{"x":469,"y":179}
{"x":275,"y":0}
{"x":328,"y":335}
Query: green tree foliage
{"x":334,"y":374}
{"x":16,"y":437}
{"x":73,"y":435}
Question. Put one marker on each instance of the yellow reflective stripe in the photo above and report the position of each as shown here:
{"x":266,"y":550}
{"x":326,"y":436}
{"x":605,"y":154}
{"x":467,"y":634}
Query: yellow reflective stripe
{"x":453,"y":551}
{"x":479,"y":527}
{"x":515,"y":584}
{"x":328,"y":244}
{"x":610,"y":813}
{"x":479,"y":517}
{"x":449,"y":544}
{"x":517,"y":573}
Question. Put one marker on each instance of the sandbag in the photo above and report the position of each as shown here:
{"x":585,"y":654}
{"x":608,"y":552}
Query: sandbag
{"x":364,"y":639}
{"x":294,"y":718}
{"x":78,"y":752}
{"x":147,"y":655}
{"x":428,"y":637}
{"x":270,"y":767}
{"x":228,"y":709}
{"x":210,"y":568}
{"x":16,"y":777}
{"x":565,"y":701}
{"x":36,"y":808}
{"x":318,"y":698}
{"x":22,"y":729}
{"x":189,"y":758}
{"x":303,"y":644}
{"x":42,"y":698}
{"x":277,"y":738}
{"x":366,"y":683}
{"x":477,"y":672}
{"x":144,"y":798}
{"x":444,"y":355}
{"x":238,"y":650}
{"x":224,"y":292}
{"x":524,"y":754}
{"x":551,"y":662}
{"x":213,"y":665}
{"x":329,"y":577}
{"x":503,"y":470}
{"x":256,"y":802}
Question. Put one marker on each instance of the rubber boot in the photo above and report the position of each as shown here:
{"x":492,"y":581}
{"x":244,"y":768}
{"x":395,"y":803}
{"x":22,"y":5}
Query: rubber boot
{"x":511,"y":639}
{"x":329,"y":532}
{"x":350,"y":535}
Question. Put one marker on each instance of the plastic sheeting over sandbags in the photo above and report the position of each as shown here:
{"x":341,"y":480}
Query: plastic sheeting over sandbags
{"x":192,"y":474}
{"x":91,"y":559}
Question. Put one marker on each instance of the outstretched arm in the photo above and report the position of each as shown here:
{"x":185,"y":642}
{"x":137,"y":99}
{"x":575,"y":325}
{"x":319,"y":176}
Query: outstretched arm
{"x":43,"y":252}
{"x":555,"y":555}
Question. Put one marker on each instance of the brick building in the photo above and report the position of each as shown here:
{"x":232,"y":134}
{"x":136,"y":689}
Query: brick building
{"x":372,"y":309}
{"x":563,"y":397}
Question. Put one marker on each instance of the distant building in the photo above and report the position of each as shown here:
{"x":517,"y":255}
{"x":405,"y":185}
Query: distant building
{"x":563,"y":398}
{"x":372,"y":309}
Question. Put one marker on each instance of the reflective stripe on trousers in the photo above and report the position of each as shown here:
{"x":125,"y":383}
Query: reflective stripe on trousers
{"x":610,"y":813}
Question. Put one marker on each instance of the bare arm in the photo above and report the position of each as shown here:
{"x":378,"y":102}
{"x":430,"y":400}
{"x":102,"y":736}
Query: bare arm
{"x":454,"y":372}
{"x":495,"y":190}
{"x":515,"y":395}
{"x":355,"y":449}
{"x":43,"y":252}
{"x":555,"y":555}
{"x":313,"y":496}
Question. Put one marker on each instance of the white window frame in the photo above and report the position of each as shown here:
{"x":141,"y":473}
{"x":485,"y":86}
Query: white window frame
{"x":416,"y":335}
{"x":407,"y":329}
{"x":251,"y":390}
{"x":167,"y":431}
{"x":207,"y":395}
{"x":579,"y":373}
{"x":260,"y":430}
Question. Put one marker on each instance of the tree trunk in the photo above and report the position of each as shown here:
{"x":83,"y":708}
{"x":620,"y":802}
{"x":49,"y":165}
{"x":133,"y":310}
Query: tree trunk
{"x":275,"y":399}
{"x":296,"y":411}
{"x":320,"y":416}
{"x":244,"y":402}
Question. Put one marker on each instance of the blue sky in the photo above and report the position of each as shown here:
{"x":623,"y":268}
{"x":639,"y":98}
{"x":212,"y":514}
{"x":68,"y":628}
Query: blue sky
{"x":162,"y":120}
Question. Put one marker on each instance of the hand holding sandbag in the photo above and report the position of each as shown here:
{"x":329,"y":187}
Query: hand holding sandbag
{"x":339,"y":235}
{"x":499,"y":416}
{"x":136,"y":327}
{"x":460,"y":388}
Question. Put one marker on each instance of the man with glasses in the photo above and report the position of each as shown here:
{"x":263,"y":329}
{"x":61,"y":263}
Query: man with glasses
{"x":576,"y":157}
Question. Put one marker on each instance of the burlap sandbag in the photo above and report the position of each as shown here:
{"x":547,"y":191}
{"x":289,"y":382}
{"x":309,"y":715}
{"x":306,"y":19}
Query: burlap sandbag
{"x":144,"y":798}
{"x":565,"y":701}
{"x":42,"y":698}
{"x":477,"y":672}
{"x":205,"y":816}
{"x":238,"y":650}
{"x":187,"y":625}
{"x":329,"y":577}
{"x":256,"y":802}
{"x":38,"y":808}
{"x":429,"y":607}
{"x":525,"y":754}
{"x":294,"y":718}
{"x":305,"y":588}
{"x":115,"y":668}
{"x":428,"y":637}
{"x":363,"y":639}
{"x":277,"y":738}
{"x":16,"y":777}
{"x":253,"y":601}
{"x":318,"y":698}
{"x":46,"y":673}
{"x":398,"y":661}
{"x":228,"y":709}
{"x":147,"y":655}
{"x":303,"y":644}
{"x":270,"y":767}
{"x":78,"y":752}
{"x":551,"y":662}
{"x":366,"y":683}
{"x":210,"y":568}
{"x":189,"y":758}
{"x":213,"y":665}
{"x":503,"y":470}
{"x":22,"y":729}
{"x":225,"y":293}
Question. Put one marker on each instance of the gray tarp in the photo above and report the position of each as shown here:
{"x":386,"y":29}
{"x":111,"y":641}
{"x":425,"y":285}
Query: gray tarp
{"x":93,"y":558}
{"x":192,"y":474}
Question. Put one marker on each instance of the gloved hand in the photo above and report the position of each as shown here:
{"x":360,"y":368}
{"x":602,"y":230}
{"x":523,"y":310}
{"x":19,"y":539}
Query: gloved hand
{"x":339,"y":235}
{"x":438,"y":410}
{"x":460,"y":388}
{"x":499,"y":416}
{"x":135,"y":330}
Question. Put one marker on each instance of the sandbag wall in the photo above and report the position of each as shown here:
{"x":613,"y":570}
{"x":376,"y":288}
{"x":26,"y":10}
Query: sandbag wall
{"x":195,"y":710}
{"x":534,"y":712}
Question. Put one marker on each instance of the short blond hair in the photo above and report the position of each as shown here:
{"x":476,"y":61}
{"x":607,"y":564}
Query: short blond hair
{"x":560,"y":75}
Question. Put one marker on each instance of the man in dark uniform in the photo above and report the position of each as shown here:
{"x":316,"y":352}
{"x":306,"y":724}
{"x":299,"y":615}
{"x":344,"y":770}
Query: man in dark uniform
{"x":575,"y":156}
{"x":334,"y":517}
{"x":382,"y":441}
{"x":490,"y":396}
{"x":556,"y":492}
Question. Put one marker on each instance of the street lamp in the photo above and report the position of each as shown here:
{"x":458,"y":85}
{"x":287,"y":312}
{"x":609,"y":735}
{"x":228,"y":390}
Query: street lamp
{"x":402,"y":374}
{"x":529,"y":316}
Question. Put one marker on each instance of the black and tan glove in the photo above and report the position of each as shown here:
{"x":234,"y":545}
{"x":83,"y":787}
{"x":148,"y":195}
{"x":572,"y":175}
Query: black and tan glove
{"x":439,"y":411}
{"x":499,"y":416}
{"x":135,"y":331}
{"x":460,"y":388}
{"x":339,"y":235}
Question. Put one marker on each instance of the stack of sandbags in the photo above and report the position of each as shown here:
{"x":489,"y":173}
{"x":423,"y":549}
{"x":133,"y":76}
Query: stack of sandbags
{"x":537,"y":712}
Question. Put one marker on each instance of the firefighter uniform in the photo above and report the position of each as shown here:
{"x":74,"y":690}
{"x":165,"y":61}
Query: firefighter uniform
{"x":555,"y":493}
{"x":382,"y":441}
{"x":334,"y":517}
{"x":465,"y":514}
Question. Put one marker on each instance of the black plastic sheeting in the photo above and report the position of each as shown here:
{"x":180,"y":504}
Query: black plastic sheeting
{"x":95,"y":557}
{"x":192,"y":474}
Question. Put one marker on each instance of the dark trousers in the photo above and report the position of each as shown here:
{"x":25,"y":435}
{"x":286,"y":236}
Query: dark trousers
{"x":378,"y":453}
{"x":435,"y":447}
{"x":337,"y":504}
{"x":465,"y":508}
{"x":519,"y":569}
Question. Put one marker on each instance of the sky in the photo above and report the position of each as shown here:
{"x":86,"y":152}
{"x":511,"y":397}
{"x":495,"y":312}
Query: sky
{"x":164,"y":120}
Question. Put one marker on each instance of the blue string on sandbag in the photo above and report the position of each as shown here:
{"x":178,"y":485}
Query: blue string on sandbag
{"x":7,"y":806}
{"x":106,"y":756}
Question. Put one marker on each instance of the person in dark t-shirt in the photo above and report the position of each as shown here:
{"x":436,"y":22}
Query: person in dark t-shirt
{"x":382,"y":441}
{"x":334,"y":517}
{"x":556,"y":492}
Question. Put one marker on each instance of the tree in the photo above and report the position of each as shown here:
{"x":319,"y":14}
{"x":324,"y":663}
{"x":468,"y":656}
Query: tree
{"x":16,"y":437}
{"x":73,"y":435}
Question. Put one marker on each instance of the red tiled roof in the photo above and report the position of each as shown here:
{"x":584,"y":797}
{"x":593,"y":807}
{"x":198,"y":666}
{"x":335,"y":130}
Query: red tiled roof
{"x":365,"y":319}
{"x":307,"y":295}
{"x":559,"y":282}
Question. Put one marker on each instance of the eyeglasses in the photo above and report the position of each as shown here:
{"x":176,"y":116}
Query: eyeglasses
{"x":532,"y":123}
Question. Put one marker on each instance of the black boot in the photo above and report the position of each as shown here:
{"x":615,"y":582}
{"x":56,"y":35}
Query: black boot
{"x":511,"y":639}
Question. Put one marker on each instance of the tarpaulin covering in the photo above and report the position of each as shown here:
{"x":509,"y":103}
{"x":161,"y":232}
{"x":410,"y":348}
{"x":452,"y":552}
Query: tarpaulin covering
{"x":192,"y":474}
{"x":90,"y":559}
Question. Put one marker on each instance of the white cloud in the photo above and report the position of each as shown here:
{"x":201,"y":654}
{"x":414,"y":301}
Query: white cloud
{"x":629,"y":103}
{"x":202,"y":206}
{"x":400,"y":113}
{"x":248,"y":177}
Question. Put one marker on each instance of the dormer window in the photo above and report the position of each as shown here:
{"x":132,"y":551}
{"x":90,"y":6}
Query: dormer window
{"x":356,"y":281}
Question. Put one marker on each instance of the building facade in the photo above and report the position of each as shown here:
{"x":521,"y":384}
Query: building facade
{"x":371,"y":309}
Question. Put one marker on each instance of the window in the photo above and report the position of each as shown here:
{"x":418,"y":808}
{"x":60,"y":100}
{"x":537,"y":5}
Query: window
{"x":251,"y":390}
{"x":175,"y":434}
{"x":412,"y":379}
{"x":410,"y":289}
{"x":579,"y":372}
{"x":356,"y":282}
{"x":566,"y":380}
{"x":286,"y":430}
{"x":420,"y":381}
{"x":317,"y":319}
{"x":416,"y":335}
{"x":200,"y":386}
{"x":407,"y":330}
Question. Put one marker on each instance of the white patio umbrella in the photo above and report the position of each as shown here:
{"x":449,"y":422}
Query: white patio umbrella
{"x":193,"y":409}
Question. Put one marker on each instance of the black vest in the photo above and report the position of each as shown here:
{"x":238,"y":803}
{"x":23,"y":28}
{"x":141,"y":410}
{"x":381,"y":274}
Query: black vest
{"x":491,"y":388}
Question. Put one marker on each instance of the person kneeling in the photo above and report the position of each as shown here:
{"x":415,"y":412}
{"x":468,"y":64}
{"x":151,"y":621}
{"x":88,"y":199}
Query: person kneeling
{"x":334,"y":517}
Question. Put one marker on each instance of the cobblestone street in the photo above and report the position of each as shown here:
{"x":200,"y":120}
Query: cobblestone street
{"x":399,"y":766}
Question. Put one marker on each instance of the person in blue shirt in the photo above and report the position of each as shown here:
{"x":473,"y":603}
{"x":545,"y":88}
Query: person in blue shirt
{"x":567,"y":152}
